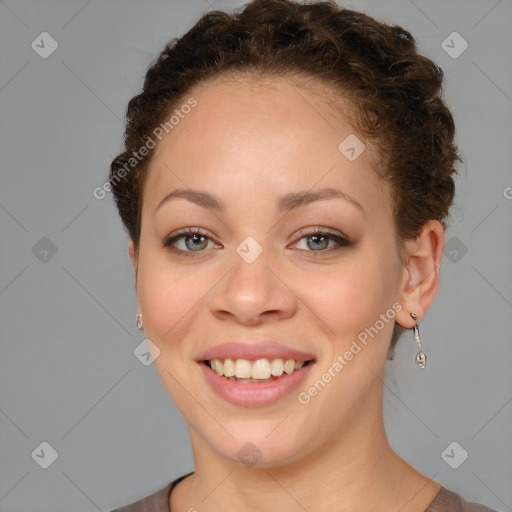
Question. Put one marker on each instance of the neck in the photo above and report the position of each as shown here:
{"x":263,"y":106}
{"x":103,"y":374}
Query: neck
{"x":357,"y":470}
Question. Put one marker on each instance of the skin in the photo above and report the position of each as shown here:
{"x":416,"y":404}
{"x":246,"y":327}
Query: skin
{"x":250,"y":143}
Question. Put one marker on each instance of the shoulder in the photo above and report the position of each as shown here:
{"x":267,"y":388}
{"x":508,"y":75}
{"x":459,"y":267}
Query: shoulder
{"x":449,"y":501}
{"x":156,"y":502}
{"x":445,"y":501}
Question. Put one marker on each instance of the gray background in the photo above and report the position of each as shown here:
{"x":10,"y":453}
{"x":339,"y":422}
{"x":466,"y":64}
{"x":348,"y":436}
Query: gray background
{"x":68,"y":374}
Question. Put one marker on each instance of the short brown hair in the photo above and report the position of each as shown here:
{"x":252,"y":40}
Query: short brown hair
{"x":395,"y":93}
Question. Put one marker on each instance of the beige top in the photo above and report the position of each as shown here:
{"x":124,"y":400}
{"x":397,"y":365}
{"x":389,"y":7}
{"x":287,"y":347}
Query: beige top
{"x":445,"y":501}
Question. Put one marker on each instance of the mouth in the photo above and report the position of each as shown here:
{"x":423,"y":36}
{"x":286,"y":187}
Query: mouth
{"x":256,"y":371}
{"x":254,"y":383}
{"x":252,"y":373}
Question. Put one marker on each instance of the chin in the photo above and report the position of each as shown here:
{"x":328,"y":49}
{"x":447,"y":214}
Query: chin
{"x":254,"y":448}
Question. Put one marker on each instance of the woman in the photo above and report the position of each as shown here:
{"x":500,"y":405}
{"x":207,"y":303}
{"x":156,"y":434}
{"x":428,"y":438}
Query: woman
{"x":285,"y":182}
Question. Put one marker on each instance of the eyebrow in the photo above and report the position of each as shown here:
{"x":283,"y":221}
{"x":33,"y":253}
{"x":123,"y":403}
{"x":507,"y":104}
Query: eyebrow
{"x":287,"y":202}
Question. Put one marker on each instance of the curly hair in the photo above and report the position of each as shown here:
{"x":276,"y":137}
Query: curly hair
{"x":394,"y":93}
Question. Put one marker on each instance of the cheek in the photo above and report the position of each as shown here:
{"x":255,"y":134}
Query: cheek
{"x":167,"y":297}
{"x":349,"y":297}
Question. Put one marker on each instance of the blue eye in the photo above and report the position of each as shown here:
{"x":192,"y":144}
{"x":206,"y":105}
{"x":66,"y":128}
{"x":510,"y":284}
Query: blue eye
{"x":318,"y":237}
{"x":196,"y":241}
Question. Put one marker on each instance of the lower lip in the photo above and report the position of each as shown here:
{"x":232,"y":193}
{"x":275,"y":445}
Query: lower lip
{"x":255,"y":394}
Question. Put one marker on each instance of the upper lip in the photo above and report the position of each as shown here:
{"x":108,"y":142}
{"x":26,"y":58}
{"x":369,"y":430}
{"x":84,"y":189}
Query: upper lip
{"x":254,"y":350}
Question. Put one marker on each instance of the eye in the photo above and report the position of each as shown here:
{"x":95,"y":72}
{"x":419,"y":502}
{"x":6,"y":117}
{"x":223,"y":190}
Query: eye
{"x":318,"y":240}
{"x":195,"y":240}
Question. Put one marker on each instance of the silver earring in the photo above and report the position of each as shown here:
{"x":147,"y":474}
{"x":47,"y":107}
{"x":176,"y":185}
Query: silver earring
{"x":139,"y":321}
{"x":421,"y":358}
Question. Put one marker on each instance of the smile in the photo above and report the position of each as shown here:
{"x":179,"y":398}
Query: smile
{"x":254,"y":383}
{"x":258,"y":371}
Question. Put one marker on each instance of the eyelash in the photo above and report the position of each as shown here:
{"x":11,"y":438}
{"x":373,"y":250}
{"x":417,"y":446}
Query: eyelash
{"x":342,"y":241}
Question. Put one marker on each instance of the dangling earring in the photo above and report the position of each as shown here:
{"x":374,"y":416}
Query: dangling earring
{"x":139,"y":321}
{"x":421,"y":358}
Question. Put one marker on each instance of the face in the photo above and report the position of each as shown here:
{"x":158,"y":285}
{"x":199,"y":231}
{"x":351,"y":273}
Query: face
{"x":255,"y":274}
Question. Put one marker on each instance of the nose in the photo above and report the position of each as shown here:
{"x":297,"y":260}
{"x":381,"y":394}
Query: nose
{"x":253,"y":292}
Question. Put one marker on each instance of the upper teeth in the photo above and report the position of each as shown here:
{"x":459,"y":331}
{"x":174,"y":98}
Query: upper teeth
{"x":259,"y":369}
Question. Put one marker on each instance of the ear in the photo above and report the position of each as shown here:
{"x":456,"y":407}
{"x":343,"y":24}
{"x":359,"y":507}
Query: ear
{"x":421,"y":273}
{"x":134,"y":258}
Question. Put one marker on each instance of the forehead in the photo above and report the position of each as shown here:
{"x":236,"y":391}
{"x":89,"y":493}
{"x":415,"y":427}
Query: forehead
{"x":266,"y":134}
{"x":269,"y":108}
